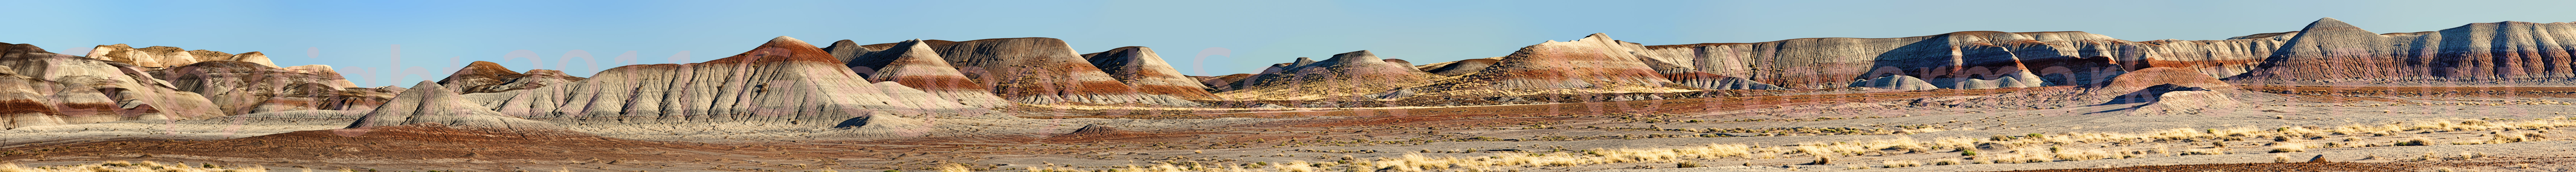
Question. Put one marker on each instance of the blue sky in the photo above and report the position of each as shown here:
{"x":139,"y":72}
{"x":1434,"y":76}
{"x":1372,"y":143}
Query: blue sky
{"x":434,"y":37}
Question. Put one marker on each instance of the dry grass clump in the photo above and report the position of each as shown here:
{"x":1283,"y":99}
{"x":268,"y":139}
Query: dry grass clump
{"x":1296,"y":166}
{"x":2507,"y":137}
{"x":2092,"y":155}
{"x":1955,"y":143}
{"x":2209,"y":151}
{"x":124,"y":166}
{"x":2417,"y":141}
{"x":2289,"y":147}
{"x":955,"y":168}
{"x":1900,"y":163}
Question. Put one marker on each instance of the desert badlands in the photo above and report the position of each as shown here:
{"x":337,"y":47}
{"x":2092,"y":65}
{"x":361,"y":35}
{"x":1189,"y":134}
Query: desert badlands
{"x":2328,"y":97}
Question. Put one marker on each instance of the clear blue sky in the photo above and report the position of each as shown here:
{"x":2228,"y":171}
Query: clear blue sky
{"x":435,"y":36}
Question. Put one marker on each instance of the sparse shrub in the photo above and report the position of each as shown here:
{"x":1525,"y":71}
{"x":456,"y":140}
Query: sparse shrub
{"x":1968,"y":152}
{"x":1686,"y":164}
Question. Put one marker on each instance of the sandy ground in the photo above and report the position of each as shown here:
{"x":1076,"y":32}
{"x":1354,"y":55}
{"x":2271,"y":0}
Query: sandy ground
{"x":1259,"y":140}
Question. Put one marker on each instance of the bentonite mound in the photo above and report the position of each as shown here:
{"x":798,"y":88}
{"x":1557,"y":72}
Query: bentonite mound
{"x":1346,"y":74}
{"x":243,"y":87}
{"x":2163,"y":83}
{"x":917,"y":66}
{"x":325,"y":71}
{"x":430,"y":104}
{"x":1401,"y":62}
{"x":847,"y":51}
{"x":488,"y":77}
{"x":539,"y":78}
{"x":1957,"y":60}
{"x":1462,"y":67}
{"x":1704,"y":80}
{"x":1896,"y":82}
{"x":355,"y":98}
{"x":1594,"y":64}
{"x":1139,"y":67}
{"x":2330,"y":52}
{"x":2282,"y":35}
{"x":54,"y":89}
{"x":2173,"y":99}
{"x":478,"y":76}
{"x":1093,"y":132}
{"x":1042,"y":71}
{"x":2153,"y":76}
{"x":2150,"y":91}
{"x":160,"y":56}
{"x":880,"y":126}
{"x":782,"y":84}
{"x":2218,"y":58}
{"x":1223,"y":82}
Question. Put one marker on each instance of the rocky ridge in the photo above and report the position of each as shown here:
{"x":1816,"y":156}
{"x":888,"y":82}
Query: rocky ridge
{"x":44,"y":88}
{"x":240,"y":87}
{"x":2330,"y":52}
{"x":160,"y":56}
{"x":785,"y":88}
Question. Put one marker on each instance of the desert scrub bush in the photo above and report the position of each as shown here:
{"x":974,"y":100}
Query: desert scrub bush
{"x":125,"y":166}
{"x":1686,"y":164}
